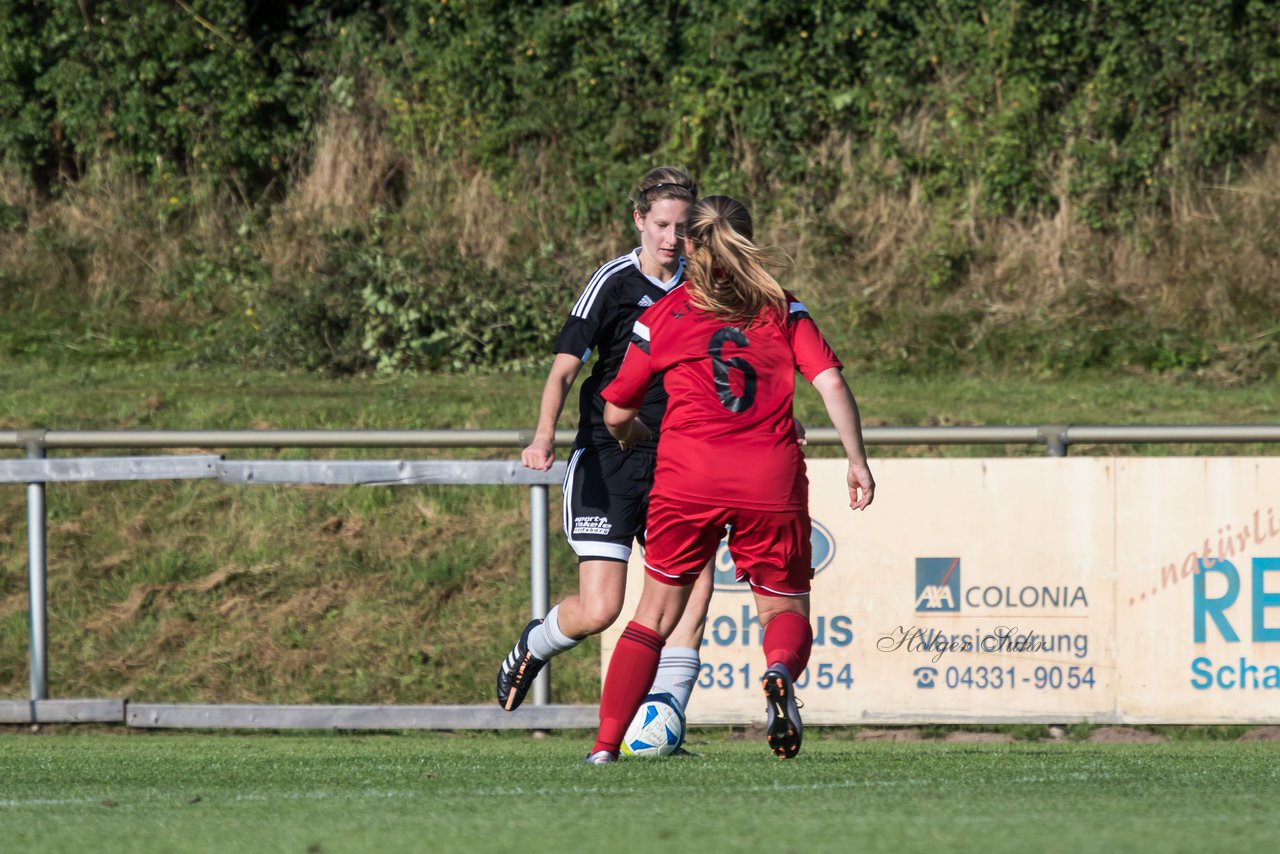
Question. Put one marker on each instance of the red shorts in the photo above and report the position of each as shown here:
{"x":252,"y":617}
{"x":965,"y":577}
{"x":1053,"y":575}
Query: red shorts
{"x":770,"y":549}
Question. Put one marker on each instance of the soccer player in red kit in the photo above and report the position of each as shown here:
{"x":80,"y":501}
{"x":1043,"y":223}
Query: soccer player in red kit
{"x":728,"y":343}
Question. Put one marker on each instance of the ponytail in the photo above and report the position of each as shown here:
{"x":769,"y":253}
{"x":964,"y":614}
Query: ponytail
{"x":727,"y":271}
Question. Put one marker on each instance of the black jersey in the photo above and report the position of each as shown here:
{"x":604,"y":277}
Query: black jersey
{"x":601,"y":320}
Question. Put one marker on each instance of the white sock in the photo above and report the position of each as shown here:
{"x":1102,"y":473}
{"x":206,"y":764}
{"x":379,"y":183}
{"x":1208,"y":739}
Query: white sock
{"x":677,"y":672}
{"x":547,"y":641}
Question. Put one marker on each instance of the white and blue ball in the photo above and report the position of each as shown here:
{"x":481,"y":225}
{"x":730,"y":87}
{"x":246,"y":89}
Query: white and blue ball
{"x":657,"y":729}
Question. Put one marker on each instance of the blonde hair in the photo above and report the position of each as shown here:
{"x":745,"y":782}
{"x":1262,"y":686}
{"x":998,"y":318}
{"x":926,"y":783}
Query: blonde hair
{"x":664,"y":182}
{"x":727,"y":271}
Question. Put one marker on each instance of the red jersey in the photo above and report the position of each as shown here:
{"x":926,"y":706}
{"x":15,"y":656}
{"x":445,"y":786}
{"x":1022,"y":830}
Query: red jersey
{"x":728,"y":437}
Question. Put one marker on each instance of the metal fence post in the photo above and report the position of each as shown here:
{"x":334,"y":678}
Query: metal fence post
{"x":1054,"y":437}
{"x":539,"y":581}
{"x":36,"y":573}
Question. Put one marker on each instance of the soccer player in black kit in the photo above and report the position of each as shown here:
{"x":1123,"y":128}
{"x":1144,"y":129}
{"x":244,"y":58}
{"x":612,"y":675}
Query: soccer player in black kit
{"x":606,"y":488}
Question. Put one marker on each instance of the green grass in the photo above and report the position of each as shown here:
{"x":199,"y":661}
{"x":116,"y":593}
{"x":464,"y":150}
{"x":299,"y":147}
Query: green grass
{"x":169,"y":396}
{"x":481,"y":792}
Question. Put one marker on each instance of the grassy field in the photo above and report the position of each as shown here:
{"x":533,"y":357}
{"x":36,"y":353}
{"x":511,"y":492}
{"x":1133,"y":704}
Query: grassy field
{"x":437,"y":792}
{"x":156,"y":395}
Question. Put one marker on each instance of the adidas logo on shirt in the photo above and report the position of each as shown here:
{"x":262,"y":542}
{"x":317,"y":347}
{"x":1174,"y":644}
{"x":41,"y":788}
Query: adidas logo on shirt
{"x":645,"y":301}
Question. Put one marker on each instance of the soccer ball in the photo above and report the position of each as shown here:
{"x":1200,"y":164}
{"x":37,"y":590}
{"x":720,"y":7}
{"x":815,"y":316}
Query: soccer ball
{"x":657,"y":729}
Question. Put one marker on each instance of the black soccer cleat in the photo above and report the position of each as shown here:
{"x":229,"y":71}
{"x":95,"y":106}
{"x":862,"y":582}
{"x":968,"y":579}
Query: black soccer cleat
{"x":518,"y":671}
{"x":783,"y":728}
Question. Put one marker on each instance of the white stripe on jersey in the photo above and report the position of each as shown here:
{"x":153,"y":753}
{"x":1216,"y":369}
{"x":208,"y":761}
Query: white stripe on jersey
{"x":640,"y":331}
{"x":583,"y":306}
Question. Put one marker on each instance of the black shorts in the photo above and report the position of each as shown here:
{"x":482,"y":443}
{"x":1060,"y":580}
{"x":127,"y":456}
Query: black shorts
{"x":606,"y":497}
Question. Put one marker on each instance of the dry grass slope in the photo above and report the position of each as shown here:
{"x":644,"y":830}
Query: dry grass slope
{"x":288,"y":596}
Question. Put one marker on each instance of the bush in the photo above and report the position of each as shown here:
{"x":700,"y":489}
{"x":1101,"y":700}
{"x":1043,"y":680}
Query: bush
{"x":893,"y":145}
{"x":366,"y":306}
{"x":1029,"y":104}
{"x":221,"y":89}
{"x":446,"y":313}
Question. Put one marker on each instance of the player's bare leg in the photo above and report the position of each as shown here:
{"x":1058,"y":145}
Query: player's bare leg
{"x":602,"y":585}
{"x":693,"y":622}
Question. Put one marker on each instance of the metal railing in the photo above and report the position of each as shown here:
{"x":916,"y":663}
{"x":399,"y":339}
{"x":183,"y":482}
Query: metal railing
{"x":1056,"y":438}
{"x":36,"y":470}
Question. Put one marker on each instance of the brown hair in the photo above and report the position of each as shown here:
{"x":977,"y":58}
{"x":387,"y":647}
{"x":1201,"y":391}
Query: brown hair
{"x":664,"y":182}
{"x":727,"y":271}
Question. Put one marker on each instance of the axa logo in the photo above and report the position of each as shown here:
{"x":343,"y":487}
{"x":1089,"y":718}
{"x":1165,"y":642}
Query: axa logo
{"x":824,"y":550}
{"x":937,"y":584}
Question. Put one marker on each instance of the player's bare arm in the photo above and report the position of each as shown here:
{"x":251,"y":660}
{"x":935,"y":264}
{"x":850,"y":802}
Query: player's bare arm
{"x":541,"y":452}
{"x":625,"y":426}
{"x":842,"y":409}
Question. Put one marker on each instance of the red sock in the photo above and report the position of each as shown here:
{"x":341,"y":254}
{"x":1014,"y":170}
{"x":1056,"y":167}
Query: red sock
{"x":788,"y":639}
{"x":631,"y":672}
